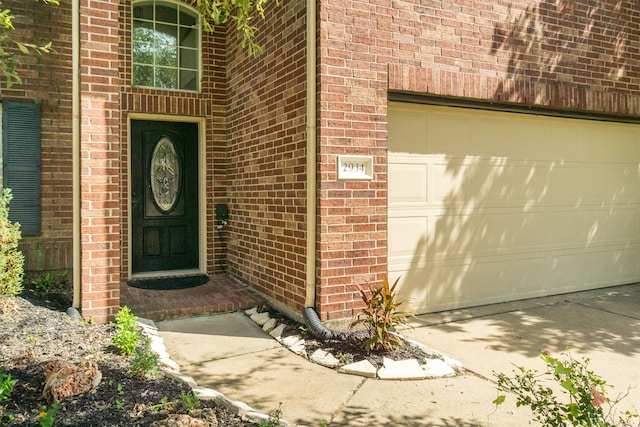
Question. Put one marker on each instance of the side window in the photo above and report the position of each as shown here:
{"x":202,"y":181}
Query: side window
{"x":166,"y":46}
{"x":21,"y":163}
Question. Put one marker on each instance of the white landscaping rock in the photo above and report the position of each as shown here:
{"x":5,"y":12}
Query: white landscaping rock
{"x":271,"y":323}
{"x":364,"y":368}
{"x":260,"y":318}
{"x":277,"y":331}
{"x":147,"y":324}
{"x":435,"y":368}
{"x":292,"y":340}
{"x":186,"y":379}
{"x":324,"y":358}
{"x":455,"y":364}
{"x":250,"y":312}
{"x":295,"y":344}
{"x":157,"y":345}
{"x":408,"y":369}
{"x":169,"y":364}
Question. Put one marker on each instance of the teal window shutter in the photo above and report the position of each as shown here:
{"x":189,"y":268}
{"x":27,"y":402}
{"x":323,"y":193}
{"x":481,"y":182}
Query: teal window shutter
{"x":21,"y":163}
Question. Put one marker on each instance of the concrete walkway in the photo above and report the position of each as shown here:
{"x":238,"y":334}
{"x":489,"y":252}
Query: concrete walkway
{"x":232,"y":355}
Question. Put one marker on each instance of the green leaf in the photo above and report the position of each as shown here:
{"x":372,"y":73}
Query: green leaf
{"x":499,"y":400}
{"x":573,"y":409}
{"x":561,"y":369}
{"x":568,"y":385}
{"x":22,"y":48}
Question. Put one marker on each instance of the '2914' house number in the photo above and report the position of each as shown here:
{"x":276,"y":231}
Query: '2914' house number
{"x":355,"y":168}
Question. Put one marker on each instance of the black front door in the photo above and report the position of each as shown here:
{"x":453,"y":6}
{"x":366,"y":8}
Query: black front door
{"x":164,"y":196}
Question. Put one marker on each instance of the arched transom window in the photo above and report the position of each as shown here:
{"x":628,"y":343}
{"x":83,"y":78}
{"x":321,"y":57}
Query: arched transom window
{"x":166,"y":46}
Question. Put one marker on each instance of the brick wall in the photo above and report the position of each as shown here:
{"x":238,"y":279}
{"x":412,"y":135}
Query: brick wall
{"x":99,"y":159}
{"x":570,"y":55}
{"x":573,"y":55}
{"x":47,"y":81}
{"x":267,"y":157}
{"x":209,"y":104}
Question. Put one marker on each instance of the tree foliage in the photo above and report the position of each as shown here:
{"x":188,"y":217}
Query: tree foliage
{"x":242,"y":12}
{"x":11,"y":259}
{"x":8,"y":61}
{"x":213,"y":12}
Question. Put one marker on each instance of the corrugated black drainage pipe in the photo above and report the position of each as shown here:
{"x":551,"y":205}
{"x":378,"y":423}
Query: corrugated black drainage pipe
{"x":317,"y":329}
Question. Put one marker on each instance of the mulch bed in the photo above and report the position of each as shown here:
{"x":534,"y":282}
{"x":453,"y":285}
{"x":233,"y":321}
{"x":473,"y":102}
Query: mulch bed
{"x":34,"y":331}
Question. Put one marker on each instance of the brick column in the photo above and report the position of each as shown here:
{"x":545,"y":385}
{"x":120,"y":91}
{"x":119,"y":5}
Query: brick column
{"x":100,"y":210}
{"x":352,"y":100}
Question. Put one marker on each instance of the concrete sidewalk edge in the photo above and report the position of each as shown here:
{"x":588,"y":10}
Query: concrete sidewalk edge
{"x":171,"y":369}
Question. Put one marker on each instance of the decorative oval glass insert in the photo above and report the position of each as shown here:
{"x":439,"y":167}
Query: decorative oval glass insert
{"x":165,"y":175}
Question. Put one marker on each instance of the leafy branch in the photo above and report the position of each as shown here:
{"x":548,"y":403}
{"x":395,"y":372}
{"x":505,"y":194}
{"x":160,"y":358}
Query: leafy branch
{"x":8,"y":61}
{"x":243,"y":12}
{"x":583,"y":401}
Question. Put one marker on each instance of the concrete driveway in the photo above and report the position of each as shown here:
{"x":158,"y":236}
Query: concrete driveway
{"x":231,"y":355}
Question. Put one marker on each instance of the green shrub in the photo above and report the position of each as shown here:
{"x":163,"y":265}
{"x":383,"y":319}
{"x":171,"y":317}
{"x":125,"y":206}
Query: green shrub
{"x":11,"y":259}
{"x":583,"y":400}
{"x":49,"y":282}
{"x":126,"y":336}
{"x":48,"y":415}
{"x":145,"y":362}
{"x":381,"y":315}
{"x":6,"y":385}
{"x":275,"y":418}
{"x":188,"y":401}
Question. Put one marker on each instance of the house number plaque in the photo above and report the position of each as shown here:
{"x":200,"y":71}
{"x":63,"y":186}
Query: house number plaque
{"x":355,"y":168}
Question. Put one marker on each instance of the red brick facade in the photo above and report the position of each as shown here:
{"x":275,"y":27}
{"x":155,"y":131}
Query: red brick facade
{"x":48,"y":82}
{"x":99,"y":159}
{"x":266,"y":155}
{"x":566,"y":55}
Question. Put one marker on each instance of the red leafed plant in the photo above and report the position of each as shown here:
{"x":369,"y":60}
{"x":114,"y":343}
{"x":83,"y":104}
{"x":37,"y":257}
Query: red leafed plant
{"x":381,"y":315}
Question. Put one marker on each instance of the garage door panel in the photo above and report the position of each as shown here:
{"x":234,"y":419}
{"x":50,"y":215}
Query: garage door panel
{"x":624,"y":226}
{"x":584,"y":143}
{"x":448,"y":134}
{"x":528,"y":276}
{"x":527,"y":183}
{"x":629,"y":190}
{"x":408,"y":183}
{"x":623,"y":143}
{"x":408,"y":240}
{"x":582,"y":228}
{"x":596,"y":185}
{"x":412,"y":288}
{"x":566,"y":272}
{"x":505,"y":206}
{"x":470,"y":183}
{"x":604,"y":266}
{"x":448,"y":285}
{"x":599,"y":268}
{"x":530,"y":230}
{"x":591,"y":136}
{"x":625,"y":265}
{"x":565,"y":185}
{"x":492,"y":137}
{"x":461,"y":236}
{"x":409,"y":134}
{"x":526,"y":141}
{"x":567,"y":146}
{"x":488,"y":281}
{"x":566,"y":229}
{"x":595,"y":227}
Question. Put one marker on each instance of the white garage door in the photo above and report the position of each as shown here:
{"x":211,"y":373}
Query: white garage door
{"x":489,"y":206}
